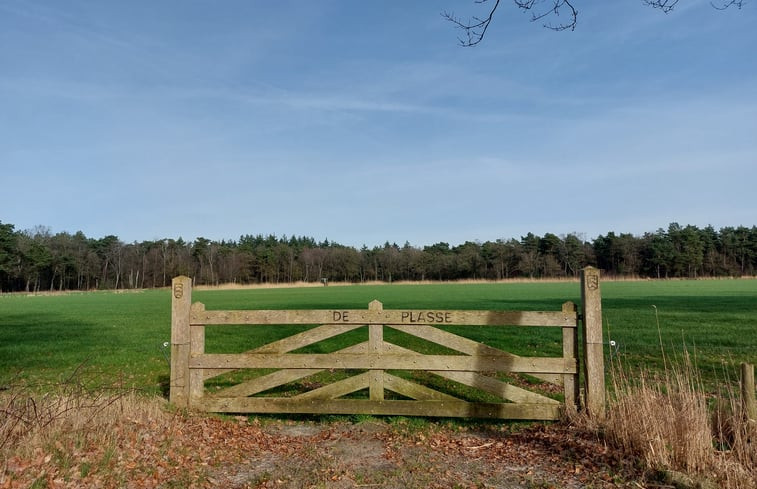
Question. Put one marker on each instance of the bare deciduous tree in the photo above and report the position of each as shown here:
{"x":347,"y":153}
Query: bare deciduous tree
{"x":475,"y":27}
{"x":668,"y":5}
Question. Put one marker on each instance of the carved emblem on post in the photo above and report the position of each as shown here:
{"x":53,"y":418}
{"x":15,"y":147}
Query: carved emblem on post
{"x":592,"y":282}
{"x":178,"y":290}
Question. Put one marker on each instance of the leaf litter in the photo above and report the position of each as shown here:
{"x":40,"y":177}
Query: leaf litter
{"x":201,"y":451}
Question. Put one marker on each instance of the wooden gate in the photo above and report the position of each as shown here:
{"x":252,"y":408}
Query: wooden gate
{"x":378,"y":376}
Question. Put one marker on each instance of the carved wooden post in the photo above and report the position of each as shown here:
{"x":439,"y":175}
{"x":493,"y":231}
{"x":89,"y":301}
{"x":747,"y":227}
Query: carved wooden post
{"x":594,"y":363}
{"x":181,"y":301}
{"x":747,"y":391}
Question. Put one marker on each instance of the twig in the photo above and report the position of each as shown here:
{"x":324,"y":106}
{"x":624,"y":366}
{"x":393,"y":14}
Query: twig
{"x":481,"y":446}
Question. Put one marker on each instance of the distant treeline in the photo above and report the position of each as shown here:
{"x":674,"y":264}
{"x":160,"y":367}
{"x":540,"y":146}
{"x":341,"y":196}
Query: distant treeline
{"x":34,"y":260}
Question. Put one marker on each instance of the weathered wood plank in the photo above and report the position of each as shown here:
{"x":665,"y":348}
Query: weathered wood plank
{"x":472,"y":379}
{"x":386,"y":317}
{"x":306,"y":338}
{"x":570,"y":350}
{"x":487,"y":384}
{"x":338,"y":389}
{"x":594,"y":370}
{"x":196,"y":382}
{"x":266,"y":382}
{"x":452,"y":341}
{"x":465,"y":345}
{"x":280,"y":377}
{"x":294,"y":342}
{"x":413,"y":390}
{"x":747,"y":391}
{"x":375,"y":343}
{"x":181,"y":300}
{"x":363,"y":406}
{"x":496,"y":387}
{"x":371,"y":361}
{"x":179,"y":387}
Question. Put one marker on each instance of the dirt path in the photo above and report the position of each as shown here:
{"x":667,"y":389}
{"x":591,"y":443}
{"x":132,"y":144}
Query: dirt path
{"x":396,"y":455}
{"x":177,"y":450}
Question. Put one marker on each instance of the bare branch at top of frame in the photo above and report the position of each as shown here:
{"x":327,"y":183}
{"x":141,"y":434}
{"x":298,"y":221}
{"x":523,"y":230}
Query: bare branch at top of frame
{"x":728,"y":3}
{"x":557,"y":7}
{"x":475,"y":27}
{"x":665,"y":5}
{"x":668,"y":5}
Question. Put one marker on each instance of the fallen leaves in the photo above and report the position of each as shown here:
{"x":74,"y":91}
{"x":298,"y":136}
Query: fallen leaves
{"x":196,"y":451}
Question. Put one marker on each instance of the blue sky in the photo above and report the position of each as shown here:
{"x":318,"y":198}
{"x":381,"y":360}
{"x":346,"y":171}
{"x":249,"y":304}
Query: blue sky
{"x":363,"y":122}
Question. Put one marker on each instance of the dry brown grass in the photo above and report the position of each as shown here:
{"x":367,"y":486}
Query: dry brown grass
{"x":31,"y":420}
{"x":286,"y":285}
{"x":520,"y":280}
{"x":68,"y":435}
{"x":75,"y":437}
{"x":668,"y":422}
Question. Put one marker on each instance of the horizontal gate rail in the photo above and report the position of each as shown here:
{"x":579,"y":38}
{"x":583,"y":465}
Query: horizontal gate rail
{"x":385,"y":361}
{"x":459,"y":409}
{"x":362,"y":317}
{"x":371,"y":364}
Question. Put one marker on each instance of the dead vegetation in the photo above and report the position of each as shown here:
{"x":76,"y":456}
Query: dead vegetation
{"x":302,"y":284}
{"x":668,"y":421}
{"x":659,"y":432}
{"x":139,"y":443}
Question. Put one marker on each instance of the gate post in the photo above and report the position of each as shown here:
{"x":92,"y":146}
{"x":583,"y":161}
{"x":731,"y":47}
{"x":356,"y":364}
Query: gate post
{"x":594,"y":363}
{"x":181,"y":301}
{"x":747,"y":391}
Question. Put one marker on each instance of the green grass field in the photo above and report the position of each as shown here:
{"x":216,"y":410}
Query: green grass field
{"x":117,"y":337}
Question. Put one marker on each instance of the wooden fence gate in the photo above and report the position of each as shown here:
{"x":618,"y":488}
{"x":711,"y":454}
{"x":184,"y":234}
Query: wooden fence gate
{"x":386,"y":373}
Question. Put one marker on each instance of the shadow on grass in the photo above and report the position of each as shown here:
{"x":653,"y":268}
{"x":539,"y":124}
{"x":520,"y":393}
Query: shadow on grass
{"x":45,"y":341}
{"x":164,"y":382}
{"x":688,"y":304}
{"x":48,"y":347}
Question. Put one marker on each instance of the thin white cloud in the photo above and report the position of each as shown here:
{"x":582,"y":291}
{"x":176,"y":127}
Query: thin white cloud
{"x":360,"y":139}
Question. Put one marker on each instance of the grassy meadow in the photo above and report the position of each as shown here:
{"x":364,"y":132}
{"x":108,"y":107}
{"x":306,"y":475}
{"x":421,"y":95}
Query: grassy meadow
{"x":117,"y":338}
